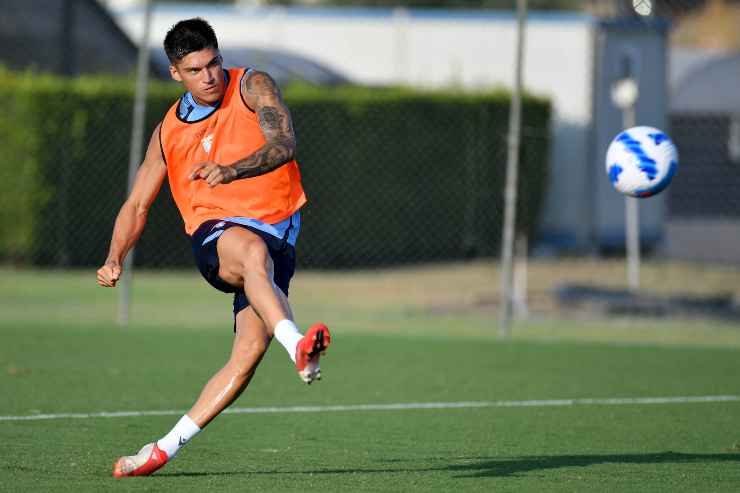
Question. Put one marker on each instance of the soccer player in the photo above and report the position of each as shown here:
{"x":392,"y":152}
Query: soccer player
{"x":227,"y":147}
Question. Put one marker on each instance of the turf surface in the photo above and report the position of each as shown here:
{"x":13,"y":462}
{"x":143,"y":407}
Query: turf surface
{"x":61,"y":353}
{"x":684,"y":447}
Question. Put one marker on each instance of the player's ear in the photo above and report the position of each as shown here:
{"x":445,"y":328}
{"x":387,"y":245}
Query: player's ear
{"x":175,"y":74}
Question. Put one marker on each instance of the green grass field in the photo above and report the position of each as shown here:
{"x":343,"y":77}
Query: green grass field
{"x":60,"y":352}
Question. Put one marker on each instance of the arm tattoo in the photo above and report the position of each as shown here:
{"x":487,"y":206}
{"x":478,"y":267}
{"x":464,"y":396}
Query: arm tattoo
{"x":275,"y":123}
{"x":270,"y":119}
{"x":267,"y":158}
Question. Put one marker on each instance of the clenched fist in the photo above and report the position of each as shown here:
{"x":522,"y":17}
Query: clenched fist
{"x":109,"y":274}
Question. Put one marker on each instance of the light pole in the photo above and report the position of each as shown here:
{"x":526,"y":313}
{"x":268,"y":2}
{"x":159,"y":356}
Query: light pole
{"x":624,"y":95}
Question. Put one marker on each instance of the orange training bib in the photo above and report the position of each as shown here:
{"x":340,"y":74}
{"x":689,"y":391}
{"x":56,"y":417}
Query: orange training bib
{"x":228,"y":134}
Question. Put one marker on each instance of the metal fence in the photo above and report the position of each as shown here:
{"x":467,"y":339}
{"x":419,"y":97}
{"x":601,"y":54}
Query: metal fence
{"x":460,"y":197}
{"x":382,"y":195}
{"x":698,"y":218}
{"x":392,"y":185}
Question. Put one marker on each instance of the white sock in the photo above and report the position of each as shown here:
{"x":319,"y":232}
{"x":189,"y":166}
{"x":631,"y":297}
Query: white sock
{"x":287,"y":334}
{"x":172,"y":442}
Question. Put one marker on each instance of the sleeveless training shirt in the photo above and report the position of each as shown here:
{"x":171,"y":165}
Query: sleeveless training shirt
{"x":228,"y":134}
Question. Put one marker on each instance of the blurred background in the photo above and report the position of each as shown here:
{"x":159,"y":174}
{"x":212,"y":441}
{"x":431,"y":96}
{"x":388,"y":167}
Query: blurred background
{"x":402,"y":115}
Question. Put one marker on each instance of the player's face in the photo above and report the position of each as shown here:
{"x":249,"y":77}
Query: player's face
{"x":201,"y":72}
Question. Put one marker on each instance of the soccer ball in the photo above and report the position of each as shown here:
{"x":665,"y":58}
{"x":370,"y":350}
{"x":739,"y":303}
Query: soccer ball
{"x":641,"y":161}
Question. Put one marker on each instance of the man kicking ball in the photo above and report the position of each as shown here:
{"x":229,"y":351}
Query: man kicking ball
{"x":227,"y":147}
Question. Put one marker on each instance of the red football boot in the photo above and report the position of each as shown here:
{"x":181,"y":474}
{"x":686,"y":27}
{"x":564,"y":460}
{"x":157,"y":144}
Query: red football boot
{"x":308,"y":351}
{"x":149,"y":459}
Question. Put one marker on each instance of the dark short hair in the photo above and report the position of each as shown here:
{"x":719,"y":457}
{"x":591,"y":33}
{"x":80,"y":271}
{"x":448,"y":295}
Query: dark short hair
{"x":188,"y":36}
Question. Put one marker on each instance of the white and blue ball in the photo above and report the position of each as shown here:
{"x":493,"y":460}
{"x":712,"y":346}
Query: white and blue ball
{"x":641,"y":161}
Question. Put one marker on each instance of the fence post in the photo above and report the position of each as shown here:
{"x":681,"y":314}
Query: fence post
{"x":135,"y":154}
{"x":512,"y":169}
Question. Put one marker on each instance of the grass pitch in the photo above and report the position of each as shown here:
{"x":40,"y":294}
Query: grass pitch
{"x":61,"y":353}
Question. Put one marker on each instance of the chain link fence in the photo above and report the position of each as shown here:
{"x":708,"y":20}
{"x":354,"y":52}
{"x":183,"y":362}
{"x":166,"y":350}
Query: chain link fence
{"x":389,"y":183}
{"x":685,"y":58}
{"x":392,"y":177}
{"x":702,"y":206}
{"x":386,"y":185}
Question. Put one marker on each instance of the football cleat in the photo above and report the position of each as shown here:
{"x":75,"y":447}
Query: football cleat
{"x":308,"y":351}
{"x":149,"y":459}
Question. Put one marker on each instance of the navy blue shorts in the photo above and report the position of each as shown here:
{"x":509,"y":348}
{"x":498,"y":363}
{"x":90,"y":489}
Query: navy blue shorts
{"x":206,"y":258}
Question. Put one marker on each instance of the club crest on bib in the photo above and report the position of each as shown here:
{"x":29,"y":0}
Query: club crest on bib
{"x":207,"y":141}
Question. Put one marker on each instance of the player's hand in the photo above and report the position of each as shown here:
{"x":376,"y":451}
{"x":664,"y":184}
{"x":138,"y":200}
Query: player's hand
{"x":212,"y":173}
{"x":109,"y":274}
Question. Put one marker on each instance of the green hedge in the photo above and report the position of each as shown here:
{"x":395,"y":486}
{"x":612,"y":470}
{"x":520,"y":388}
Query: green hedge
{"x":392,"y":175}
{"x":64,"y":165}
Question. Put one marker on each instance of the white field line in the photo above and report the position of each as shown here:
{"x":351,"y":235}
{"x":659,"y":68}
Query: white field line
{"x":638,"y":401}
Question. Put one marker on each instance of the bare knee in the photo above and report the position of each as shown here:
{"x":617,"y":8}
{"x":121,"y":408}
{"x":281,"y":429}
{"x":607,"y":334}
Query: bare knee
{"x":257,"y":260}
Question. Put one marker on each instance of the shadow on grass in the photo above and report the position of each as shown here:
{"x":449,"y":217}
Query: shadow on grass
{"x":479,"y":467}
{"x":517,"y":465}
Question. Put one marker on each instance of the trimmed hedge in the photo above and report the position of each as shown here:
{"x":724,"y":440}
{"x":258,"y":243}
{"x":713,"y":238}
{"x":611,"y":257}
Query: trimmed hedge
{"x":392,"y":175}
{"x":64,"y":165}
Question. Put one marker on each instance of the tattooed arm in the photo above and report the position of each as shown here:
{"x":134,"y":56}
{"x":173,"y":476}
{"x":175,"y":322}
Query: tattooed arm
{"x":262,"y":95}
